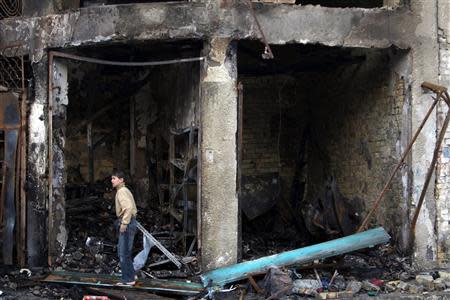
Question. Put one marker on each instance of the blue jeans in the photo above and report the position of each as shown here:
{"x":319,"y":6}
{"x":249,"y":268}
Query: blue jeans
{"x":124,"y":249}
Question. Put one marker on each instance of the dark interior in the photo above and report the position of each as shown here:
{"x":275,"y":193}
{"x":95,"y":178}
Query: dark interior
{"x":314,"y":120}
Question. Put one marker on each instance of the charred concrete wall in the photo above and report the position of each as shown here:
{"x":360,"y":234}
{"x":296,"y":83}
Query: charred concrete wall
{"x":37,"y":172}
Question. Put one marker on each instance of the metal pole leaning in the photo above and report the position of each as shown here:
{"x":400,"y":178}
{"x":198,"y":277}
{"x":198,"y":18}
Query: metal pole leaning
{"x":432,"y":164}
{"x":397,"y":167}
{"x":159,"y":246}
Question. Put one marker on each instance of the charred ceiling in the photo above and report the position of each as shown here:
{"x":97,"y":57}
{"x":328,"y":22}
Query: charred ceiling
{"x":292,"y":59}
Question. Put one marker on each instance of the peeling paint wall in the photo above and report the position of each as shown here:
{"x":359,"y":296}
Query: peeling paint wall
{"x":36,"y":186}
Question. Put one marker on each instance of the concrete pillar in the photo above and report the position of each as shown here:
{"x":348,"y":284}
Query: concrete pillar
{"x":36,"y":186}
{"x":425,"y":64}
{"x":57,"y":216}
{"x":219,"y":201}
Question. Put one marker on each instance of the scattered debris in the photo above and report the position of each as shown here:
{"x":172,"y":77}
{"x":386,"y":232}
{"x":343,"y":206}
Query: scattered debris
{"x":354,"y":242}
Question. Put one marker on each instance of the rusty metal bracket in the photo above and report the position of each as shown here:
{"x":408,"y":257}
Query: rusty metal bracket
{"x":441,"y":94}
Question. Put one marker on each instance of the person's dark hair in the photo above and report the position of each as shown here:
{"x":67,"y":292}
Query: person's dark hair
{"x":119,"y":174}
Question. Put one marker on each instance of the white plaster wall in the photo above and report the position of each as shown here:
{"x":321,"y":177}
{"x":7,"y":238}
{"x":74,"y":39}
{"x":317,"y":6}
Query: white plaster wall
{"x":424,"y":68}
{"x":443,"y":169}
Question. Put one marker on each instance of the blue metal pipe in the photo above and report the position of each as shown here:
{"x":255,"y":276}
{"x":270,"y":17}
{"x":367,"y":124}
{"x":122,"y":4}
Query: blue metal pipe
{"x":366,"y":239}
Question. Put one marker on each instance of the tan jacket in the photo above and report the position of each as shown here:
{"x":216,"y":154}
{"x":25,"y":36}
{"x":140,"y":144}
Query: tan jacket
{"x":125,"y":205}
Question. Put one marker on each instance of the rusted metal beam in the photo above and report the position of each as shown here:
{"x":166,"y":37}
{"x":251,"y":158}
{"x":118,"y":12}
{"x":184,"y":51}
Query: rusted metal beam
{"x":438,"y":89}
{"x":254,"y":284}
{"x":432,"y":166}
{"x":377,"y":203}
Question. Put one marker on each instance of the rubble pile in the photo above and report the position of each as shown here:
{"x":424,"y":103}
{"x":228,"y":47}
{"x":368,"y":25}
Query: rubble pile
{"x":92,"y":217}
{"x":365,"y":273}
{"x":25,"y":284}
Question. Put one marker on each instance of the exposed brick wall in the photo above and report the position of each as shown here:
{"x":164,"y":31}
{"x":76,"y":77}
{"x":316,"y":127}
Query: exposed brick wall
{"x":355,"y":115}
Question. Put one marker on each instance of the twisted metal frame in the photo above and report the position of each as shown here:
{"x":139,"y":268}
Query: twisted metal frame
{"x":10,"y":8}
{"x":11,"y":69}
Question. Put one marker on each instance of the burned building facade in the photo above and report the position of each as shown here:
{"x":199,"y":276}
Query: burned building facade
{"x":223,"y":140}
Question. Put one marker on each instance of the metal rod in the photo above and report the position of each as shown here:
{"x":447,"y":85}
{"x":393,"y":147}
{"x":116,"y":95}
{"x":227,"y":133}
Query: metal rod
{"x":125,"y":64}
{"x":397,"y":167}
{"x":158,"y":245}
{"x":23,"y":168}
{"x":50,"y":153}
{"x":267,"y":51}
{"x":430,"y":169}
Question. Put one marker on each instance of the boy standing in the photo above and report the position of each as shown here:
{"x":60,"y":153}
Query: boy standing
{"x":126,"y":220}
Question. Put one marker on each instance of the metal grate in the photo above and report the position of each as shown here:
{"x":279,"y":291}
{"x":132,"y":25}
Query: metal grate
{"x":11,"y":69}
{"x":10,"y":8}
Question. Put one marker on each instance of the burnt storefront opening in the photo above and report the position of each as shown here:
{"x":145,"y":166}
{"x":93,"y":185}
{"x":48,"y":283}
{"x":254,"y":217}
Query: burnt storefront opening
{"x":140,"y":119}
{"x":321,"y":129}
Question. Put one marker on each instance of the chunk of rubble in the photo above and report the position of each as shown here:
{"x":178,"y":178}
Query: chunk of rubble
{"x":368,"y":286}
{"x":354,"y":286}
{"x":403,"y":286}
{"x":415,"y":288}
{"x":426,"y":281}
{"x":307,"y":284}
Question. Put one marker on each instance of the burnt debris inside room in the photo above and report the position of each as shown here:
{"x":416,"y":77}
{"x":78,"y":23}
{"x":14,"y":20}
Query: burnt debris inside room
{"x":141,"y":119}
{"x":320,"y":132}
